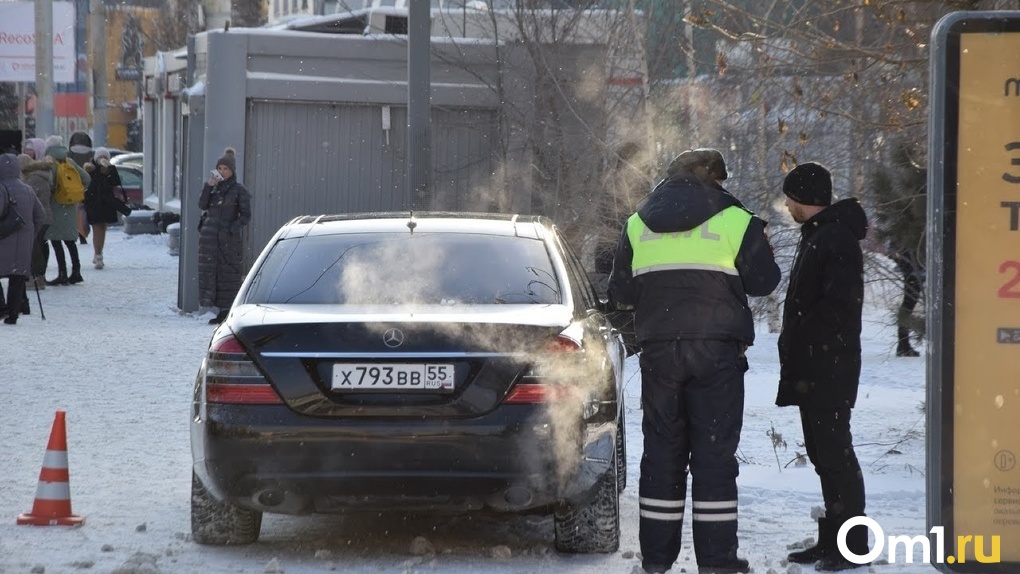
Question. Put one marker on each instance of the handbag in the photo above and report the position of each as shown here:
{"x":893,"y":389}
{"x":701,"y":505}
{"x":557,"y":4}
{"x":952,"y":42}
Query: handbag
{"x":118,"y":203}
{"x":11,"y":221}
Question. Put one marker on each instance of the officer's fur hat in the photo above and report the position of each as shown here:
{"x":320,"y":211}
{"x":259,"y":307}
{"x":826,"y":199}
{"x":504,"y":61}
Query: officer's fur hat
{"x":704,"y":163}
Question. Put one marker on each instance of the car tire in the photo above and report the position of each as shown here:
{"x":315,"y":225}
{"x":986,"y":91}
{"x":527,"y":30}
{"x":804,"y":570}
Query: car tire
{"x":621,"y":453}
{"x":593,"y":527}
{"x":219,"y":523}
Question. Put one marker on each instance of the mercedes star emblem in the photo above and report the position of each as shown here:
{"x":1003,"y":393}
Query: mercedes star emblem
{"x":393,"y":338}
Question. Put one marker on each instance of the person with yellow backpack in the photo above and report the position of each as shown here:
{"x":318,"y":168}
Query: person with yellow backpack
{"x":69,"y":183}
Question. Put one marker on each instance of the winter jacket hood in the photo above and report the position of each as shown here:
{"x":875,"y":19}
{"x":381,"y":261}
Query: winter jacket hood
{"x":682,"y":203}
{"x":37,"y":165}
{"x":38,"y":174}
{"x":10,"y":167}
{"x":57,"y":152}
{"x":847,"y":212}
{"x":80,"y":147}
{"x":38,"y":146}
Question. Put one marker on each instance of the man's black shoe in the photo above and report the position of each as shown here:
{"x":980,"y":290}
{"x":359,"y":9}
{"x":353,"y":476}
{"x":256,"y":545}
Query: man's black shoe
{"x":738,"y":566}
{"x":219,"y":318}
{"x":655,"y":568}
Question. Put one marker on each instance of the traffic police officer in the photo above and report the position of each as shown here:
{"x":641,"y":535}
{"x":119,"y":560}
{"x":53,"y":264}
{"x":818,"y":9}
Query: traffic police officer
{"x":686,"y":262}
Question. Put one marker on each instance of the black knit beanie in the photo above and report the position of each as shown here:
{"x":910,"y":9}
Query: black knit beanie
{"x":809,"y":184}
{"x":228,"y":159}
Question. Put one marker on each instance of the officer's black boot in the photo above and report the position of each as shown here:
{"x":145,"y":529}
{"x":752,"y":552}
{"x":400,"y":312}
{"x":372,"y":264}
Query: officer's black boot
{"x":856,"y":542}
{"x":735,"y":566}
{"x":825,"y":545}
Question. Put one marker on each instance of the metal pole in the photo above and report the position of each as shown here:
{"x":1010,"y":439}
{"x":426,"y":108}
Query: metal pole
{"x":21,"y":111}
{"x":419,"y":91}
{"x":43,"y":68}
{"x":38,"y":297}
{"x":97,"y":47}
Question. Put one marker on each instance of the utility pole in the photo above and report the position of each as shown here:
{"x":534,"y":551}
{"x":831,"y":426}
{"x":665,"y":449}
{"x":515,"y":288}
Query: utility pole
{"x":97,"y":49}
{"x":43,"y":68}
{"x":21,"y":110}
{"x":419,"y":96}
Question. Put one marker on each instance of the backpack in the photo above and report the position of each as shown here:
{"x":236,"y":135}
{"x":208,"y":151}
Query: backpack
{"x":70,"y":189}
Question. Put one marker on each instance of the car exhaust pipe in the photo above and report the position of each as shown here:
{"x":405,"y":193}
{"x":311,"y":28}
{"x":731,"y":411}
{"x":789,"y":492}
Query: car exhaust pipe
{"x":270,"y":497}
{"x":517,"y":497}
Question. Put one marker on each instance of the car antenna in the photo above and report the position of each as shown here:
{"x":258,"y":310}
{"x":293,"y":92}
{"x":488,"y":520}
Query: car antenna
{"x":411,"y":224}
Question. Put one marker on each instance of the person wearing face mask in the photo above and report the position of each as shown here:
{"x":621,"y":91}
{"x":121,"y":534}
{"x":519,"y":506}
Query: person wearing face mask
{"x":226,"y":206}
{"x":100,"y":200}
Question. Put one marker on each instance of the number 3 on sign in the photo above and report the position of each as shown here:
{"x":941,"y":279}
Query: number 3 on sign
{"x":1011,"y":290}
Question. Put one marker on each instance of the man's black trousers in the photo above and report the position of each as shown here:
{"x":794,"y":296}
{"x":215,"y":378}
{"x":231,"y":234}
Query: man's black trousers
{"x":692,"y":396}
{"x":830,"y":448}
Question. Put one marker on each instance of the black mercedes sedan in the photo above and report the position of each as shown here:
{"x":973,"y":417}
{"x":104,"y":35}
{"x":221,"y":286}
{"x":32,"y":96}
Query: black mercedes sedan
{"x":427,"y":361}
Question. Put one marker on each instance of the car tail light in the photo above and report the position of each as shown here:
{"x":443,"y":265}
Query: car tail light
{"x":231,"y":377}
{"x":545,"y":381}
{"x":564,"y":344}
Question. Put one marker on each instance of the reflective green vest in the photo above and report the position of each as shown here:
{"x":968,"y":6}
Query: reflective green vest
{"x":712,"y":246}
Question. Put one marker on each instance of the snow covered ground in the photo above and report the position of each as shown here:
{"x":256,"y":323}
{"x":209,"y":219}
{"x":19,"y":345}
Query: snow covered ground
{"x":118,"y":357}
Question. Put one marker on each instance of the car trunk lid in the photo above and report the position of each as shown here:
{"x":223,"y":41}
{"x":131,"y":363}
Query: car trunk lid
{"x":430,"y":361}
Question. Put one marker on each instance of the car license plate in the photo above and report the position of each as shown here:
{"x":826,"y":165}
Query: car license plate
{"x":393,"y":377}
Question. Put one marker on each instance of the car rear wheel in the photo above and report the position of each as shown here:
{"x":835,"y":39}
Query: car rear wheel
{"x":220,"y":523}
{"x":593,"y":527}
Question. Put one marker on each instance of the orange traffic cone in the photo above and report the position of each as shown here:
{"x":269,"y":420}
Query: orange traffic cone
{"x":53,"y":496}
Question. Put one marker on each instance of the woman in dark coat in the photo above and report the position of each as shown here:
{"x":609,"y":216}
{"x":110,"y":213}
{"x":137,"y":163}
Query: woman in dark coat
{"x":100,"y":201}
{"x":227,"y":209}
{"x":16,"y":249}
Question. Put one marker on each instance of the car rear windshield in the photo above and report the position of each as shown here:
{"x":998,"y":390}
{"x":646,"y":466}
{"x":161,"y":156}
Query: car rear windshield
{"x":401,"y":268}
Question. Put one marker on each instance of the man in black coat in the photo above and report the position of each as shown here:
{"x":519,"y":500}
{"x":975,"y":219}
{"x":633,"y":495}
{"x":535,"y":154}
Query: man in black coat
{"x":820,"y":352}
{"x":686,"y":261}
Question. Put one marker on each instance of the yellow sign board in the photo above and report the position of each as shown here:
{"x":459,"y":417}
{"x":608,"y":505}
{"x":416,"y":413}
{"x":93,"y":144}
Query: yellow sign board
{"x":986,"y":377}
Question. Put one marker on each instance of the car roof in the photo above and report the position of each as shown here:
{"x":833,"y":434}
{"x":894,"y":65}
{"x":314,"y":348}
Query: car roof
{"x":530,"y":226}
{"x":131,"y":157}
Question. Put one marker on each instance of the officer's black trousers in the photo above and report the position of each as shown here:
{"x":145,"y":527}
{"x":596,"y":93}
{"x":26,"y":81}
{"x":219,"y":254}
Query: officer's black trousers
{"x":692,"y":396}
{"x":830,"y":448}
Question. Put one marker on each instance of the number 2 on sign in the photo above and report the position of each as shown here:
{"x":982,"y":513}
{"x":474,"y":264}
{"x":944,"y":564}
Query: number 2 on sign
{"x":1011,"y":290}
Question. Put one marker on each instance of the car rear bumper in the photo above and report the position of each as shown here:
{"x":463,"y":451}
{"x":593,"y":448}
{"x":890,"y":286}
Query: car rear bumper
{"x":271,"y":459}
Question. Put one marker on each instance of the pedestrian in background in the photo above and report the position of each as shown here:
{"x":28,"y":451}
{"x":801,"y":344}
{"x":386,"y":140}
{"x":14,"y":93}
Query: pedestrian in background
{"x":820,"y":352}
{"x":79,"y":149}
{"x":38,"y":174}
{"x":686,"y":261}
{"x":909,"y":265}
{"x":16,"y":248}
{"x":226,"y":206}
{"x":65,"y":218}
{"x":101,"y":201}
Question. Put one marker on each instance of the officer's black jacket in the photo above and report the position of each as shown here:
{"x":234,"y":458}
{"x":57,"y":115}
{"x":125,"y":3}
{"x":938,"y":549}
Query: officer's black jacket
{"x":820,"y":344}
{"x":693,"y":304}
